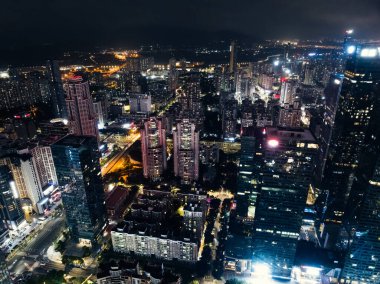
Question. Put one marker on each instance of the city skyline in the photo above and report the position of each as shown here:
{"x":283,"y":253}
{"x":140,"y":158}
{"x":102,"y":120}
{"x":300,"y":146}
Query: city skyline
{"x":190,"y":142}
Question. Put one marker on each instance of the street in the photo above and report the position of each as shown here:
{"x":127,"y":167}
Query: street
{"x":26,"y":256}
{"x":109,"y":166}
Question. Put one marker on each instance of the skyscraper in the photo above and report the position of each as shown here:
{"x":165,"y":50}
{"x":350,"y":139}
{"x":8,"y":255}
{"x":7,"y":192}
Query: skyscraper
{"x":10,"y":211}
{"x":232,"y":65}
{"x":288,"y":91}
{"x":189,"y":98}
{"x":286,"y":169}
{"x":186,"y":151}
{"x":247,"y":184}
{"x":76,"y":159}
{"x":44,"y":163}
{"x":31,"y":177}
{"x":331,"y":93}
{"x":229,"y":117}
{"x":81,"y":114}
{"x":362,"y":260}
{"x":56,"y":89}
{"x":153,"y":147}
{"x":355,"y":129}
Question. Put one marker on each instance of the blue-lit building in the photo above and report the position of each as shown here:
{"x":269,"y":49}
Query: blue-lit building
{"x":286,"y":171}
{"x":10,"y":210}
{"x":362,"y":263}
{"x":248,"y":183}
{"x":76,"y":159}
{"x":354,"y":144}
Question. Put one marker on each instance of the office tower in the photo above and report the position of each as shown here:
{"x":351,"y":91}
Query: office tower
{"x":186,"y":151}
{"x":10,"y":211}
{"x":290,"y":115}
{"x":247,"y":184}
{"x":233,"y":63}
{"x":140,"y":103}
{"x":76,"y":160}
{"x":4,"y":273}
{"x":286,"y":171}
{"x":56,"y":89}
{"x":362,"y":260}
{"x":229,"y":117}
{"x":354,"y":131}
{"x":153,"y":147}
{"x":331,"y":94}
{"x":288,"y":91}
{"x":189,"y":97}
{"x":80,"y":108}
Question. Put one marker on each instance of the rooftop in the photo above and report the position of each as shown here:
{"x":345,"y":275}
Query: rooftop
{"x":290,"y":134}
{"x":74,"y":140}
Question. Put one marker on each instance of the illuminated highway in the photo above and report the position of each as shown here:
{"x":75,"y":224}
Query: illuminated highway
{"x":107,"y":168}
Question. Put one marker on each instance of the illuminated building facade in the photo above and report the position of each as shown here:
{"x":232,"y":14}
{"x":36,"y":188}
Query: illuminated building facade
{"x":362,"y":260}
{"x":266,"y":81}
{"x":229,"y":118}
{"x":142,"y":241}
{"x":189,"y":97}
{"x":186,"y":151}
{"x":76,"y":159}
{"x":10,"y":211}
{"x":288,"y":91}
{"x":153,"y":147}
{"x":290,"y":115}
{"x":31,"y":177}
{"x":331,"y":93}
{"x":247,"y":185}
{"x":14,"y":164}
{"x":247,"y":113}
{"x":81,"y":114}
{"x":352,"y":150}
{"x":287,"y":166}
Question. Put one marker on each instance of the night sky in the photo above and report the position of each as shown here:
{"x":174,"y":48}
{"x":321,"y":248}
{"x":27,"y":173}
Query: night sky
{"x":103,"y":22}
